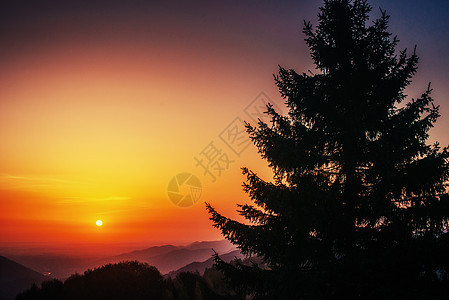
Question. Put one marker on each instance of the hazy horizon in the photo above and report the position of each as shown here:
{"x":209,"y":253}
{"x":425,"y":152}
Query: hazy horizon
{"x":88,"y":249}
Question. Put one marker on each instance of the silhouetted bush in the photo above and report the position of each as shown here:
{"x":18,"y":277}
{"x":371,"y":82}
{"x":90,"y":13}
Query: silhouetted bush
{"x":124,"y":280}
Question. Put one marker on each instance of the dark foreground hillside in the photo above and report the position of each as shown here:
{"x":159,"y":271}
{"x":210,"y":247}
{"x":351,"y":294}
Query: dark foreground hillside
{"x":15,"y":277}
{"x":130,"y":280}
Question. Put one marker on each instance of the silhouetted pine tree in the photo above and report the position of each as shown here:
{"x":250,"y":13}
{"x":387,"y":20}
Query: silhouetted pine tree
{"x":359,"y":204}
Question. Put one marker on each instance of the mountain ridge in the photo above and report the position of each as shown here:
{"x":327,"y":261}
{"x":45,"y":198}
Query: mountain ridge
{"x":15,"y":277}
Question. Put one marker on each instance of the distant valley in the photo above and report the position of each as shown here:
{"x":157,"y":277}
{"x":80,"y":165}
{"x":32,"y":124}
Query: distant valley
{"x":169,"y":259}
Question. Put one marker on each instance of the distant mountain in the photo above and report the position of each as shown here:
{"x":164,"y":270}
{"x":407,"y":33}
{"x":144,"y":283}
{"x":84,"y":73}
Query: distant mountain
{"x":166,"y":258}
{"x":222,"y":246}
{"x":14,"y":278}
{"x":178,"y":258}
{"x":200,"y":267}
{"x":140,"y":255}
{"x":169,"y":258}
{"x":59,"y":266}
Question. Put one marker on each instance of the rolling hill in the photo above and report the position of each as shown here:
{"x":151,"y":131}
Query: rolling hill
{"x":200,"y":267}
{"x":169,"y":258}
{"x":14,"y":278}
{"x":166,"y":258}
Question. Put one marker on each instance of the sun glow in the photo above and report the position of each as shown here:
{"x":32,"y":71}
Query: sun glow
{"x":99,"y":222}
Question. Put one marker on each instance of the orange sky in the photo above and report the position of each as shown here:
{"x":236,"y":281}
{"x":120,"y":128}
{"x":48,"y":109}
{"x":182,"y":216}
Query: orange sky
{"x":96,"y":131}
{"x":90,"y":137}
{"x":99,"y":109}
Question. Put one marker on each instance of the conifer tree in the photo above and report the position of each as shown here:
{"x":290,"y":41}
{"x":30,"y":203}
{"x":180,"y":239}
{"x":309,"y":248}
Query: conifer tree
{"x":358,"y":205}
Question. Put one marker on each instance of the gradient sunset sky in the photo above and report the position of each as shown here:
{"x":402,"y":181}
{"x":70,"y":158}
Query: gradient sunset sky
{"x":102,"y":103}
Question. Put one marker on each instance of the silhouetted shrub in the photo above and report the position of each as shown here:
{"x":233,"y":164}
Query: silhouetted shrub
{"x":124,"y":280}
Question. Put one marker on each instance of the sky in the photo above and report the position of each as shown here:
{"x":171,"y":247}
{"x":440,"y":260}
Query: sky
{"x":102,"y":104}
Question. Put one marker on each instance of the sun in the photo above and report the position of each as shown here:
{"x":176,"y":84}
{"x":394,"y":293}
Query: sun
{"x":99,"y":222}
